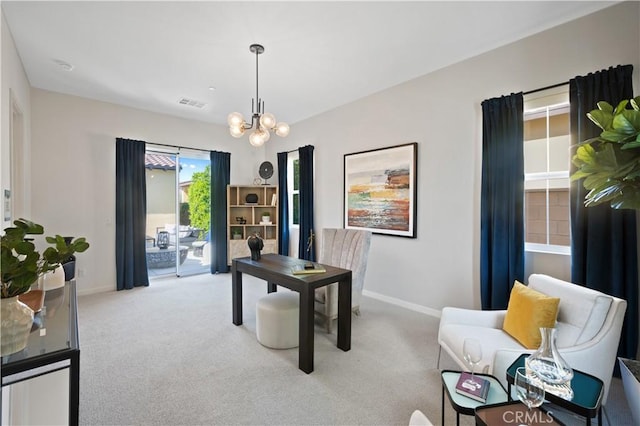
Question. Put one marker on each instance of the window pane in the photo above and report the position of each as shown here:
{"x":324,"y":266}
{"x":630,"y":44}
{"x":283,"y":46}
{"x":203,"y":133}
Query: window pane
{"x":547,"y":212}
{"x":296,"y":175}
{"x":296,"y":209}
{"x":536,"y":215}
{"x":542,"y":154}
{"x":535,"y":156}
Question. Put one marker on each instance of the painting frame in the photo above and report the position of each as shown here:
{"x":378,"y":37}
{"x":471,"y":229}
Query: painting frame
{"x":380,"y":190}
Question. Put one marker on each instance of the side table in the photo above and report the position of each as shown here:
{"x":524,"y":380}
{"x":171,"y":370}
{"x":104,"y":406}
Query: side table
{"x":514,"y":412}
{"x":463,"y":404}
{"x":587,"y":392}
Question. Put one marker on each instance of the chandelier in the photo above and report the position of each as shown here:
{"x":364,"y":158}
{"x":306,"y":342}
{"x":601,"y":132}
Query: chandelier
{"x":263,"y":122}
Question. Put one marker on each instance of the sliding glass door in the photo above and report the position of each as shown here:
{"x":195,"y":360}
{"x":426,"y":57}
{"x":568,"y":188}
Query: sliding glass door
{"x":178,"y":212}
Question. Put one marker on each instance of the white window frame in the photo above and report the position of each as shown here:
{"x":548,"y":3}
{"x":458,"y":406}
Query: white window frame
{"x":293,"y":156}
{"x":546,"y":177}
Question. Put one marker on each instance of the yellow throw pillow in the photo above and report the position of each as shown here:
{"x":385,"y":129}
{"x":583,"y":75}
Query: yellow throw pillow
{"x":529,"y":310}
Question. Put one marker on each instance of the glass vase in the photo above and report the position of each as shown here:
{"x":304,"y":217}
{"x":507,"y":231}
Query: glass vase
{"x":547,"y":365}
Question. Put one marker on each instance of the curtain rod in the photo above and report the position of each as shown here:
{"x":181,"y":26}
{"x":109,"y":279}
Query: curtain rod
{"x":174,"y":146}
{"x":553,"y":86}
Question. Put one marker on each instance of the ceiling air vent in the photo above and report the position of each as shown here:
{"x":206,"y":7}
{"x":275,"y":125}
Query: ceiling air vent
{"x":191,"y":102}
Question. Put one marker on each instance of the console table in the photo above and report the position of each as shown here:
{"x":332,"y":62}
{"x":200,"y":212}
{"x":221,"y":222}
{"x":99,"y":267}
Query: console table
{"x":53,"y":345}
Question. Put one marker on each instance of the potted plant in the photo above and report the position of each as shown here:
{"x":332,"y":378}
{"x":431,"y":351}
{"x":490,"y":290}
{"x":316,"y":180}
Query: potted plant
{"x":266,"y":217}
{"x":610,"y":163}
{"x":21,"y":266}
{"x":236,"y":233}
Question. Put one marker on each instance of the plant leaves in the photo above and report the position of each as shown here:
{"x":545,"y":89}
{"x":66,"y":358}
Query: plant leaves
{"x":602,"y":119}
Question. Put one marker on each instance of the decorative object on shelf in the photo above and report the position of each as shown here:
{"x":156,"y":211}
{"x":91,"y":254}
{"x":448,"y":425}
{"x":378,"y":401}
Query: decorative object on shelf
{"x":266,"y":218}
{"x":255,"y":244}
{"x":251,"y":198}
{"x":237,"y":234}
{"x":609,"y":163}
{"x":549,"y":367}
{"x":241,"y":220}
{"x":266,"y":171}
{"x":264,"y":122}
{"x":380,"y":190}
{"x":22,"y":265}
{"x":163,"y":240}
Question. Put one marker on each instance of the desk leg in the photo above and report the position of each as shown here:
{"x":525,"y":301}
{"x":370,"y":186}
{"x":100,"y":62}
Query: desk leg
{"x":236,"y":289}
{"x":74,"y":388}
{"x":344,"y":314}
{"x":305,"y":330}
{"x":271,"y":287}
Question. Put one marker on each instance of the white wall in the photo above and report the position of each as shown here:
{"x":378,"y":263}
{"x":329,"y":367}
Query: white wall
{"x":73,"y":164}
{"x":15,"y":90}
{"x":442,"y":112}
{"x":73,"y":155}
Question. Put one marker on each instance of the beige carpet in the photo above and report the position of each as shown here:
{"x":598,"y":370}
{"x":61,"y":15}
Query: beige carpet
{"x":170,"y":355}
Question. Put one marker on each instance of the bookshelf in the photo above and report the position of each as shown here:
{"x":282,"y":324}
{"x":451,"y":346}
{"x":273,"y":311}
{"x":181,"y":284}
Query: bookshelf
{"x":246,"y":218}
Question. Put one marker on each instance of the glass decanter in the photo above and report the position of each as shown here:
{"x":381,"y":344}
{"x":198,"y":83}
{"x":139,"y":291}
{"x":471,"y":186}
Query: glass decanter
{"x":549,"y":367}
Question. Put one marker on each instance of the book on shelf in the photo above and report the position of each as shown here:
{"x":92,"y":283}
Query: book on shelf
{"x":474,"y":387}
{"x":307,"y":268}
{"x":274,"y":200}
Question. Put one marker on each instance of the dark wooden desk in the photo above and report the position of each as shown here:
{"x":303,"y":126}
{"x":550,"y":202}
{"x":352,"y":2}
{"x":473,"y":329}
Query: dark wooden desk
{"x":276,"y":270}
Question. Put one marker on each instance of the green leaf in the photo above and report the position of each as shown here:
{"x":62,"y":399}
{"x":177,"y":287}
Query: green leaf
{"x":632,"y":144}
{"x":621,"y":107}
{"x":613,"y":136}
{"x":622,"y":125}
{"x":605,"y":106}
{"x":585,"y":153}
{"x":602,"y":119}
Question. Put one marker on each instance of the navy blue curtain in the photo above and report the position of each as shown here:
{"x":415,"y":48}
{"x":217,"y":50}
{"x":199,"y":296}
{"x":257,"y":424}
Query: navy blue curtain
{"x":131,"y":215}
{"x":502,"y":200}
{"x":603,"y":240}
{"x":306,"y":245}
{"x":283,"y":205}
{"x":220,"y":178}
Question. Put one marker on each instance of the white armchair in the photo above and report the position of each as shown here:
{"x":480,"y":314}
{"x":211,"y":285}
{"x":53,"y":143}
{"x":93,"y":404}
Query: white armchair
{"x":348,"y":249}
{"x":588,"y":326}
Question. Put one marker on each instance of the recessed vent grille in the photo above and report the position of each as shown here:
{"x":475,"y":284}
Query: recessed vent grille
{"x":191,"y":102}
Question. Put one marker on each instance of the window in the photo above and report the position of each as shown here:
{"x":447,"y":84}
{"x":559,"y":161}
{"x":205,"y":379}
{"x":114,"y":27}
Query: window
{"x":546,"y":166}
{"x":293,"y":181}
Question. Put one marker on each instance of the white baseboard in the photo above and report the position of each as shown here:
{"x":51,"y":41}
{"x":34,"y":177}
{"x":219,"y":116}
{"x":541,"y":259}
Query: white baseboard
{"x":84,"y":291}
{"x":411,"y":306}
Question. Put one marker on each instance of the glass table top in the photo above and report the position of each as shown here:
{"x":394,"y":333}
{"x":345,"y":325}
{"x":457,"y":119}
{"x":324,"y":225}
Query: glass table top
{"x":54,"y":327}
{"x":497,"y":393}
{"x":587,"y":389}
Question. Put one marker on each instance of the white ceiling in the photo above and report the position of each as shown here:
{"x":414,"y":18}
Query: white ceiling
{"x":318,"y":55}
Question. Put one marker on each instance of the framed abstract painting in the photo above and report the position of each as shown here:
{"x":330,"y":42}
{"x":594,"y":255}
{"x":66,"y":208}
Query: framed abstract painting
{"x":380,"y":190}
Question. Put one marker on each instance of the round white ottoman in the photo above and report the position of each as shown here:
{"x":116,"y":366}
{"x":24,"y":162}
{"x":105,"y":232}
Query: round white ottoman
{"x":277,"y":316}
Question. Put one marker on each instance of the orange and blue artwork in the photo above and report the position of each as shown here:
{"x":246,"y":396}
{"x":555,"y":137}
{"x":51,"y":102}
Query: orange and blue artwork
{"x":380,"y":190}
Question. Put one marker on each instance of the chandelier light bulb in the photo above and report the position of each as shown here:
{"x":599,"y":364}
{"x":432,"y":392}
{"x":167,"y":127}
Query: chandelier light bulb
{"x":256,"y":138}
{"x":268,"y":121}
{"x":236,"y":131}
{"x":235,"y":119}
{"x":282,"y":129}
